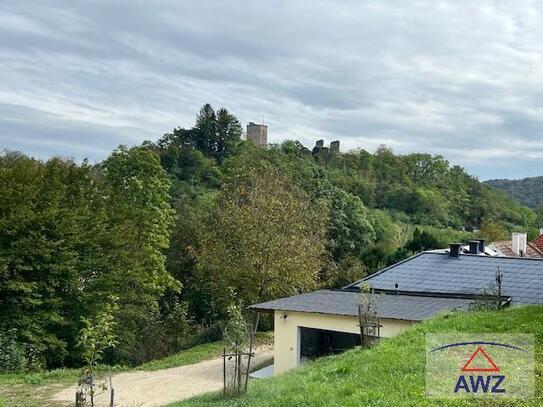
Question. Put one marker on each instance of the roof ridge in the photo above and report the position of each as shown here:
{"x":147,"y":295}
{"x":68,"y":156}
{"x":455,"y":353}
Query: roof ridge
{"x":415,"y":293}
{"x":383,"y":270}
{"x":482,"y":257}
{"x":535,"y":247}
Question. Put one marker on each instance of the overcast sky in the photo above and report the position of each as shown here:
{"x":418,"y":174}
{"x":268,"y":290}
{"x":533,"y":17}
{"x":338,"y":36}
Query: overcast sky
{"x":459,"y":78}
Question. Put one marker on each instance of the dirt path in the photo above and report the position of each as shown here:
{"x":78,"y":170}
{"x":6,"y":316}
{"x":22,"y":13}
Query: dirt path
{"x":161,"y":387}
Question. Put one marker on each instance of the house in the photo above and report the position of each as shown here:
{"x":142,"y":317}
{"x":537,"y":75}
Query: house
{"x":326,"y":321}
{"x":538,"y":242}
{"x":519,"y":246}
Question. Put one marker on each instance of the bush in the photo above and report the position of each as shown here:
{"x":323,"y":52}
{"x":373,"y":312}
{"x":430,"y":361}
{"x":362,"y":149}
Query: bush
{"x":17,"y":357}
{"x":170,"y":331}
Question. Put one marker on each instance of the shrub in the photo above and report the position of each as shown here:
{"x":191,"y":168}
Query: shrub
{"x":17,"y":357}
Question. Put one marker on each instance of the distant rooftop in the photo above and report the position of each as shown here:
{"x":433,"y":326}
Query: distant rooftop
{"x":505,"y":248}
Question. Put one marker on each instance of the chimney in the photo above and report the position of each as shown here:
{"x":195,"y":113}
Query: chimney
{"x":473,"y":247}
{"x":454,"y":250}
{"x":518,"y":243}
{"x":540,"y":231}
{"x":481,"y":245}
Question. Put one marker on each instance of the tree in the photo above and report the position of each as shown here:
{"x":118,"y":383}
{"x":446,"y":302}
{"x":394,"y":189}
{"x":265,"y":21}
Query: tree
{"x":492,"y":231}
{"x":422,"y":241}
{"x":97,"y":335}
{"x":228,"y":132}
{"x":94,"y":338}
{"x":140,"y":222}
{"x":349,"y":233}
{"x":206,"y":130}
{"x":263,"y":240}
{"x":51,"y":229}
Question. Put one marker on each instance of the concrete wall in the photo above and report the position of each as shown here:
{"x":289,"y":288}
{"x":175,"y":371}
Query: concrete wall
{"x":287,"y":341}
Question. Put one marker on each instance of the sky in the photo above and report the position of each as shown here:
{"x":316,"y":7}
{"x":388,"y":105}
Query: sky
{"x":462,"y":79}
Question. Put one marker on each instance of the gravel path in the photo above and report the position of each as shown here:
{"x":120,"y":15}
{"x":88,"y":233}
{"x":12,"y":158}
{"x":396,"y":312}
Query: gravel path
{"x":161,"y":387}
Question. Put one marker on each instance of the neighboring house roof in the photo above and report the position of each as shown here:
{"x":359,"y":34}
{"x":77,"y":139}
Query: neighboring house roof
{"x":505,"y":248}
{"x":468,"y":274}
{"x":345,"y":302}
{"x":538,"y":242}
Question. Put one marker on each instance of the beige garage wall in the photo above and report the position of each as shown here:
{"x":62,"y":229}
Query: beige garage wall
{"x":286,"y":340}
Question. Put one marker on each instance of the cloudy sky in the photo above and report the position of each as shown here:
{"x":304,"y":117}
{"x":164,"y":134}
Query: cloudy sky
{"x":459,"y":78}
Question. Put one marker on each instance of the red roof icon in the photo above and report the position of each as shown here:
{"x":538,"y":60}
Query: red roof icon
{"x":468,"y":368}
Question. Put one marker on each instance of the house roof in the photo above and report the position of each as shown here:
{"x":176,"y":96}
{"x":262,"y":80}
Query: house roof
{"x":505,"y":248}
{"x":345,"y":302}
{"x":468,"y":274}
{"x":538,"y":242}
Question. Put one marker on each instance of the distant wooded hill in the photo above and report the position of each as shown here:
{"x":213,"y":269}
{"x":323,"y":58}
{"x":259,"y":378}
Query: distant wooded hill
{"x":528,"y":191}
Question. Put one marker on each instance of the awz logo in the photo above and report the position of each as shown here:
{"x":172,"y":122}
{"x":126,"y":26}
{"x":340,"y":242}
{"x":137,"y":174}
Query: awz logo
{"x":486,"y":383}
{"x":472,"y":384}
{"x":480,"y":374}
{"x":481,"y":365}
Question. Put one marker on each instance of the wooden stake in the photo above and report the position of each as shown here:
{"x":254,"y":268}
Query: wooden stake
{"x":224,"y":369}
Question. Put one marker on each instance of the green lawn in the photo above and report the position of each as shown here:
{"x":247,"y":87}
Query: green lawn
{"x":35,"y":389}
{"x":391,"y":374}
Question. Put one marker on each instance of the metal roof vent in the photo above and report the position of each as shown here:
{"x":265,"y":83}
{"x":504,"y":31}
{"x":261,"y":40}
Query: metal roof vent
{"x":481,"y":245}
{"x":454,"y":250}
{"x":473,"y":247}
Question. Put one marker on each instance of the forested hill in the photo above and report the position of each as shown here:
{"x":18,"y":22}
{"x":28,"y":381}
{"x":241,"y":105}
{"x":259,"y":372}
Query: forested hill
{"x":528,"y":191}
{"x":166,"y":240}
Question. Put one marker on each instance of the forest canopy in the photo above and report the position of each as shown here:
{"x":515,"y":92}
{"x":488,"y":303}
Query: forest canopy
{"x":170,"y":233}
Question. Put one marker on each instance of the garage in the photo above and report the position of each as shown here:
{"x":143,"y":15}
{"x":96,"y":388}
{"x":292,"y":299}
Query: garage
{"x":315,"y":343}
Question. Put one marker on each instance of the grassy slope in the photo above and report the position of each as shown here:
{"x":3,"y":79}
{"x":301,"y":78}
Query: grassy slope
{"x":32,"y":388}
{"x":391,"y":374}
{"x":197,"y":354}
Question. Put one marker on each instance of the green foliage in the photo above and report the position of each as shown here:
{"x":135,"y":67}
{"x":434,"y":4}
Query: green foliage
{"x":51,"y":222}
{"x":73,"y":235}
{"x":528,"y":191}
{"x":173,"y":228}
{"x":236,"y":331}
{"x":349,"y":234}
{"x":492,"y":230}
{"x":389,"y":374}
{"x":170,"y":330}
{"x":368,"y":204}
{"x":263,"y":239}
{"x":141,"y":219}
{"x":423,"y":187}
{"x":539,"y":214}
{"x":215,"y":135}
{"x":97,"y":335}
{"x":423,"y":241}
{"x":17,"y":357}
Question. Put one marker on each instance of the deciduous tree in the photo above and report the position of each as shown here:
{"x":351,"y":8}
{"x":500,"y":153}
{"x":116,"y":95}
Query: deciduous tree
{"x":264,"y":240}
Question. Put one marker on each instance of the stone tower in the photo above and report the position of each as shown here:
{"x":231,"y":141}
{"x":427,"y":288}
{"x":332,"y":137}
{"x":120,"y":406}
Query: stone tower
{"x":258,"y":134}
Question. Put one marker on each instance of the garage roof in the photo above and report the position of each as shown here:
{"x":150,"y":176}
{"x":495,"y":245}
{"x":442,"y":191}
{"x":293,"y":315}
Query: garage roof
{"x":345,"y":302}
